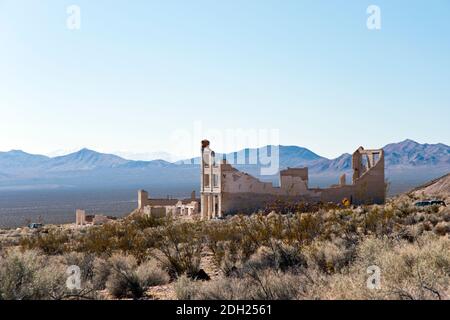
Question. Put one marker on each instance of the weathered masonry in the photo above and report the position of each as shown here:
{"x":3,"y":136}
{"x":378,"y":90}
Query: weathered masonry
{"x":164,"y":207}
{"x":226,"y":190}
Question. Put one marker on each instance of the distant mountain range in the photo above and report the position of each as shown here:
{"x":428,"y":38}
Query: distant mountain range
{"x":408,"y":164}
{"x":148,"y":156}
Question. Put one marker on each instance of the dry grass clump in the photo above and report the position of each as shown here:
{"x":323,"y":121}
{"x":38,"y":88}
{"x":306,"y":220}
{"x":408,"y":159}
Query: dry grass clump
{"x":419,"y":270}
{"x":261,"y":285}
{"x":102,"y":271}
{"x":85,"y":261}
{"x":53,"y":242}
{"x":178,"y":247}
{"x":31,"y":275}
{"x":123,"y":282}
{"x":278,"y":256}
{"x":151,"y":274}
{"x":442,"y":228}
{"x":126,"y":237}
{"x":128,"y":279}
{"x":328,"y":256}
{"x":408,"y":271}
{"x":186,"y":288}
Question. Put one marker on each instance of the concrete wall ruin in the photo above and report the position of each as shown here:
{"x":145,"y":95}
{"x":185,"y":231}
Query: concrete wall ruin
{"x":165,"y":207}
{"x":226,"y":190}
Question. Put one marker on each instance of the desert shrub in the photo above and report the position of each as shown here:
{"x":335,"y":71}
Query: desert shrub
{"x":412,"y":232}
{"x":446,"y":214}
{"x":51,"y":282}
{"x":379,"y":220}
{"x":54,"y":242}
{"x":306,"y":227}
{"x":17,"y":272}
{"x":99,"y":240}
{"x":285,"y":206}
{"x":101,"y":272}
{"x":404,"y":208}
{"x":371,"y":248}
{"x":151,"y":274}
{"x":262,"y":285}
{"x":427,"y":226}
{"x":186,"y":288}
{"x":253,"y":231}
{"x":31,"y":276}
{"x":224,"y":289}
{"x":278,"y":256}
{"x":236,"y":240}
{"x":123,"y":281}
{"x":125,"y":237}
{"x":272,"y":285}
{"x":85,"y":261}
{"x":329,"y":257}
{"x":143,"y":222}
{"x":181,"y":245}
{"x":419,"y":217}
{"x":228,"y":257}
{"x":223,"y":240}
{"x":432,"y":218}
{"x":417,"y":270}
{"x":442,"y":228}
{"x":409,"y":220}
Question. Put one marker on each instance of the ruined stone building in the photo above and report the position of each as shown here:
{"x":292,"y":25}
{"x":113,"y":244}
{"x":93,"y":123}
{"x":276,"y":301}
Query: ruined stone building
{"x":164,"y":207}
{"x":226,"y":190}
{"x":82,"y":219}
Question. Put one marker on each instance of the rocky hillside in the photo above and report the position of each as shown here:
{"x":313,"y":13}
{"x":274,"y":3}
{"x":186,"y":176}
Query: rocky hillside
{"x":438,"y":187}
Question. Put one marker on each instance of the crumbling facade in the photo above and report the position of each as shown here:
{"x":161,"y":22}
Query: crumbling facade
{"x":165,"y":207}
{"x":226,"y":190}
{"x":82,"y":219}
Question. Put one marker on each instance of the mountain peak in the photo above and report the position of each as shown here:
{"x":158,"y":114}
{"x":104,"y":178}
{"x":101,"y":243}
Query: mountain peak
{"x":15,"y":151}
{"x":411,"y":153}
{"x":409,"y":141}
{"x":21,"y":154}
{"x":86,"y":150}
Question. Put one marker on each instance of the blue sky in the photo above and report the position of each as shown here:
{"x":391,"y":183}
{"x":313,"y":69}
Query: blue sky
{"x":139,"y":71}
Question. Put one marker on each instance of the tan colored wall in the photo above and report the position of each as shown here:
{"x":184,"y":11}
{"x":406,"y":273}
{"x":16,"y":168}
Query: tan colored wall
{"x":368,"y":186}
{"x":240,"y":182}
{"x":295,"y":172}
{"x":100,"y":219}
{"x":142,"y":199}
{"x":239,"y":192}
{"x":156,"y":212}
{"x":247,"y":203}
{"x":337,"y":194}
{"x":371,"y":186}
{"x":80,"y":217}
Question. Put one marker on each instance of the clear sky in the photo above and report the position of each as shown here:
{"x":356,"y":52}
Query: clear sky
{"x":137,"y":72}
